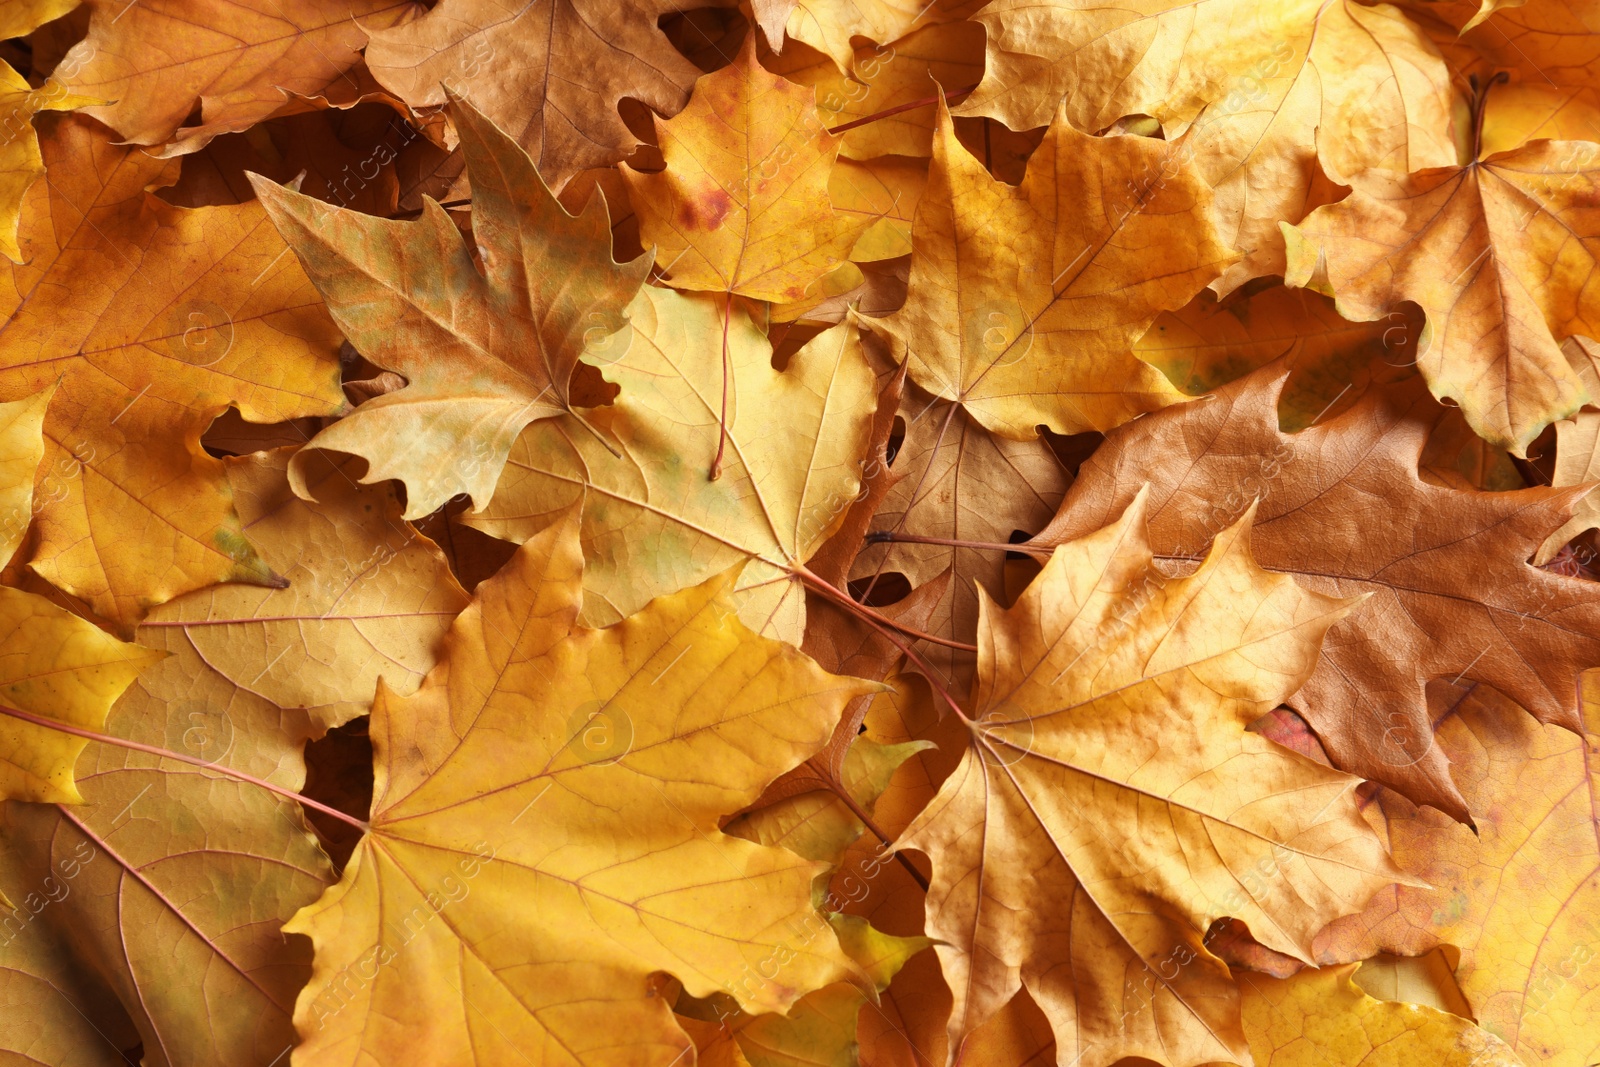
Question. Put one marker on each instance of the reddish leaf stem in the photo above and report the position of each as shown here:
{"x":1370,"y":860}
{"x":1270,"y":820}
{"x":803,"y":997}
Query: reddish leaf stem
{"x":119,"y":742}
{"x":833,"y":592}
{"x":887,"y":627}
{"x":949,"y":98}
{"x":891,"y":536}
{"x":866,"y":820}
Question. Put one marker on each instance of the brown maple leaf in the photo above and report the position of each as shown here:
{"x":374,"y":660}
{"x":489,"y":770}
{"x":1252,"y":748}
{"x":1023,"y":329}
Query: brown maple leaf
{"x":1344,"y":510}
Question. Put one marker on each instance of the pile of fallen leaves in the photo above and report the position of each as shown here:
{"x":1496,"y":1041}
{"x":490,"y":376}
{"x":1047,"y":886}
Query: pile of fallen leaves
{"x":802,"y":532}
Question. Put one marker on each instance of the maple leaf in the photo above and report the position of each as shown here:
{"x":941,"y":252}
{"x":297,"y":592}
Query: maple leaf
{"x":248,"y":676}
{"x":1577,"y":456}
{"x":623,"y":855}
{"x":158,"y":60}
{"x":560,"y":66}
{"x":652,"y":522}
{"x":1454,"y":595}
{"x":1474,"y":247}
{"x":485,"y":350}
{"x":1518,"y":898}
{"x":1208,"y":343}
{"x":1269,"y":89}
{"x":1323,"y":1019}
{"x":1024,"y":303}
{"x":743,"y":206}
{"x":957,"y":482}
{"x":20,"y":162}
{"x":880,"y":84}
{"x":155,"y":319}
{"x":829,"y":25}
{"x":55,"y":665}
{"x":1109,"y":761}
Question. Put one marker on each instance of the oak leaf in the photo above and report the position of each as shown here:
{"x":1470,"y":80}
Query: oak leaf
{"x":559,"y":69}
{"x":743,"y":206}
{"x":1497,"y":254}
{"x":1024,"y":303}
{"x":487,"y":343}
{"x":1518,"y":899}
{"x":158,"y":60}
{"x":673,"y":717}
{"x":1343,"y":509}
{"x":652,"y":522}
{"x":1323,"y":1019}
{"x":1110,"y":798}
{"x":155,"y":319}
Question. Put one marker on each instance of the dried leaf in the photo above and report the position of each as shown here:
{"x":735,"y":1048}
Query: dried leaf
{"x":1109,"y":773}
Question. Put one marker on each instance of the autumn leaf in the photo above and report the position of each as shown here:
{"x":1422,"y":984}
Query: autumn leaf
{"x":1496,"y":253}
{"x":154,"y":319}
{"x":1453,"y":598}
{"x":248,"y":676}
{"x":1208,"y":343}
{"x":1109,"y":761}
{"x":1025,"y":303}
{"x":1517,"y":899}
{"x":1268,"y":89}
{"x":743,"y":205}
{"x":957,"y":482}
{"x":55,"y":665}
{"x":20,"y":162}
{"x":829,"y":25}
{"x":875,"y":91}
{"x":158,"y":60}
{"x":700,"y":714}
{"x":652,"y":522}
{"x":1322,"y":1019}
{"x":560,"y":68}
{"x":487,"y":343}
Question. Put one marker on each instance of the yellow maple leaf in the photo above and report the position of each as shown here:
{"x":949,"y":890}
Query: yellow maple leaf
{"x":544,"y":834}
{"x":1323,"y":1019}
{"x":1518,"y":896}
{"x":155,"y":319}
{"x":487,"y":344}
{"x":157,"y":61}
{"x":743,"y":206}
{"x":1025,"y":302}
{"x":53,"y":664}
{"x":652,"y":521}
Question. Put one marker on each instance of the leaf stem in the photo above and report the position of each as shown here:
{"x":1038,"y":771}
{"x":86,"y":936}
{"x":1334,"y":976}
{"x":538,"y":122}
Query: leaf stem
{"x":866,"y":820}
{"x":887,"y":627}
{"x":949,"y":98}
{"x":1480,"y":101}
{"x":722,"y":416}
{"x":833,"y":592}
{"x":119,"y":742}
{"x":878,"y":537}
